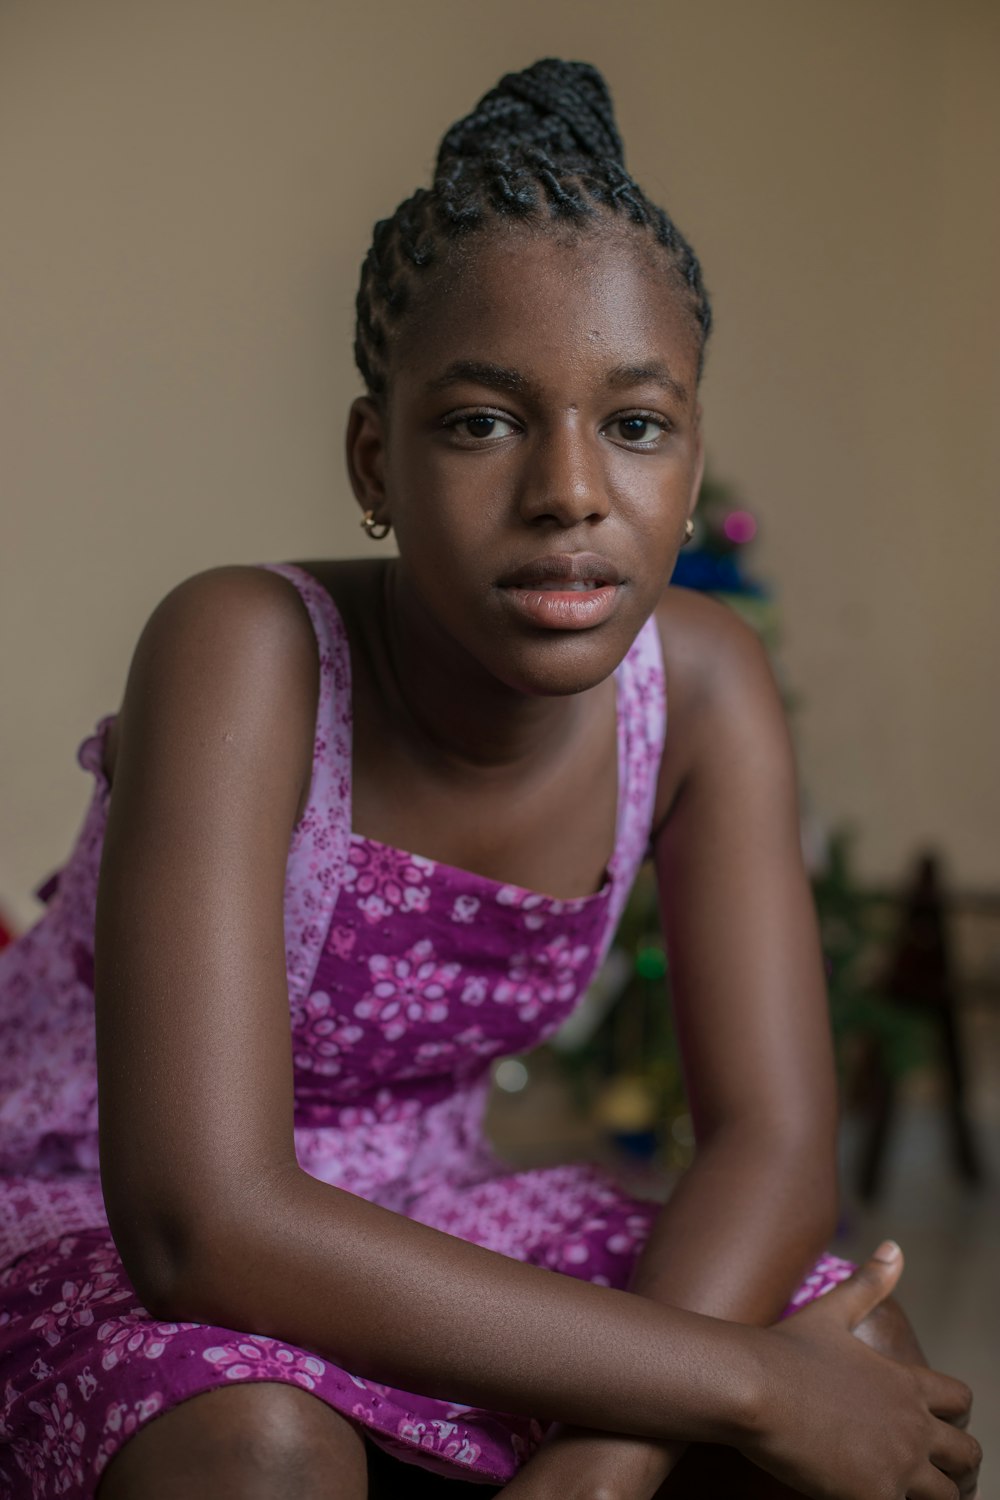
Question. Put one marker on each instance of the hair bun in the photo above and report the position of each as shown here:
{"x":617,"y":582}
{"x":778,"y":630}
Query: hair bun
{"x":561,"y":108}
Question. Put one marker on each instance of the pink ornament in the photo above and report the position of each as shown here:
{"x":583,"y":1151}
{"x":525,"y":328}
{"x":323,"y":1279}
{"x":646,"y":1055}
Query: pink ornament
{"x":739,"y":527}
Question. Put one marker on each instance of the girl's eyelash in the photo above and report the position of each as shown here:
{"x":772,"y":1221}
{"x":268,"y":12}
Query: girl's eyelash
{"x":655,"y":419}
{"x":455,"y":417}
{"x":646,"y":416}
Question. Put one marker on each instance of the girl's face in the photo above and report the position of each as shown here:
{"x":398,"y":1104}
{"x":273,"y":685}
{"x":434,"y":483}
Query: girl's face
{"x":539,"y":452}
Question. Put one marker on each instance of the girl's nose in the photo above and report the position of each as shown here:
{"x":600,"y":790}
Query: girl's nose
{"x":564,"y":481}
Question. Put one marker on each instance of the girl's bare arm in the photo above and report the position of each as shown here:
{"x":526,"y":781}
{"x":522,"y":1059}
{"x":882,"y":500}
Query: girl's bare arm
{"x":759,"y":1203}
{"x":214,"y":1220}
{"x":747,"y":983}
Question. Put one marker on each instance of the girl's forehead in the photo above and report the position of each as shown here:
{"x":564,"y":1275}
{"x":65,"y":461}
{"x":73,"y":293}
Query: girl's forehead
{"x":545,"y":300}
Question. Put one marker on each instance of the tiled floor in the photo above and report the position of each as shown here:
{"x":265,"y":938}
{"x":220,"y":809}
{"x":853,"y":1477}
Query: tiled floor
{"x":950,"y":1234}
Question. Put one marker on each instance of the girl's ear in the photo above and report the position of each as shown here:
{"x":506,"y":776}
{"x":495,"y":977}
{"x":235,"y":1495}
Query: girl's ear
{"x":365,"y":452}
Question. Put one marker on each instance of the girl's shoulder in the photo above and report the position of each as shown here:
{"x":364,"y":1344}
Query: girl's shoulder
{"x":721,"y":688}
{"x":237,"y":625}
{"x":702,"y":640}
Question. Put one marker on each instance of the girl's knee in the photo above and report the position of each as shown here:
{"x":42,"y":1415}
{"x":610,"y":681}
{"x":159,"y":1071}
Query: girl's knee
{"x":888,"y":1329}
{"x":258,"y":1442}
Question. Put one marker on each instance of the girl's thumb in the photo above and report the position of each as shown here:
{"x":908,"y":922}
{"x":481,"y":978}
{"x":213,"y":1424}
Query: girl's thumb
{"x":871,"y":1283}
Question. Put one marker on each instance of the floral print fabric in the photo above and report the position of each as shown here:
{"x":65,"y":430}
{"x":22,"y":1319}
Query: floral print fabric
{"x":407,"y":978}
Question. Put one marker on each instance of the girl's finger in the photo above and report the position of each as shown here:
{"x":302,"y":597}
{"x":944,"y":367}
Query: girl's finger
{"x":932,"y":1485}
{"x":870,"y":1284}
{"x":954,"y":1452}
{"x":945,"y":1396}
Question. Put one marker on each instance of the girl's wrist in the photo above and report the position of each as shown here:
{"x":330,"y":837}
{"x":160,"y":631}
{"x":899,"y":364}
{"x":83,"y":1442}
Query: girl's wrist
{"x":745,"y":1359}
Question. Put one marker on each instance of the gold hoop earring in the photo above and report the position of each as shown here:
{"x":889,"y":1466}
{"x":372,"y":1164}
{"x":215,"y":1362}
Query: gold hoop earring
{"x":375,"y":529}
{"x":688,"y":532}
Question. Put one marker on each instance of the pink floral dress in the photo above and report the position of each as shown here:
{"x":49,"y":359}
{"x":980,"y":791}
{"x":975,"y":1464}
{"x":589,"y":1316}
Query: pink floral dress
{"x":407,"y":978}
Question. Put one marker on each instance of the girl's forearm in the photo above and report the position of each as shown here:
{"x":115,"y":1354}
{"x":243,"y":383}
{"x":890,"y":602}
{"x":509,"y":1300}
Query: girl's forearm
{"x":742,"y":1227}
{"x":395,"y":1301}
{"x":732,"y":1241}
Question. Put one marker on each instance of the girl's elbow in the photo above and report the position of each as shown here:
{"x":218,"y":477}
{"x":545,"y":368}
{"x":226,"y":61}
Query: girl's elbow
{"x":175,"y":1260}
{"x":153,"y":1267}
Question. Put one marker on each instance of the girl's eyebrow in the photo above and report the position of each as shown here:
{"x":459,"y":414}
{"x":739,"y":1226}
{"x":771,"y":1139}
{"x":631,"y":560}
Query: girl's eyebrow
{"x":481,"y":372}
{"x":502,"y":378}
{"x":653,"y":372}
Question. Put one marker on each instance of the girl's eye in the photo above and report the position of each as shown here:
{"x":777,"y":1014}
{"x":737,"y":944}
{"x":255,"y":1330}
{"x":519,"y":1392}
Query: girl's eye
{"x":640,"y":428}
{"x":480,"y":425}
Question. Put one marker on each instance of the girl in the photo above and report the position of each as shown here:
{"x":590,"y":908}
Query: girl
{"x":408,"y":797}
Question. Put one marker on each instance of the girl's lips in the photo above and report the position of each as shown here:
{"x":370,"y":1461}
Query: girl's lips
{"x":553,"y":608}
{"x":562,"y":571}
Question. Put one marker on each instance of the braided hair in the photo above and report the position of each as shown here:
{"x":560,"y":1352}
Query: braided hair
{"x":542,"y":147}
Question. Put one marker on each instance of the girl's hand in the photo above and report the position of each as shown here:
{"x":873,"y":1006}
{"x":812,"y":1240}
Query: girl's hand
{"x":843,"y":1422}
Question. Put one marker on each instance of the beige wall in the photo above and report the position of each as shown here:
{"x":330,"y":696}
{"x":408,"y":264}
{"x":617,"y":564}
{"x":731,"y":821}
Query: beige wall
{"x":188,"y":190}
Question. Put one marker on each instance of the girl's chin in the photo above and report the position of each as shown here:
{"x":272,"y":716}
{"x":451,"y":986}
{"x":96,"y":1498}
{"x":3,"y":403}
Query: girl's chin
{"x":556,"y":666}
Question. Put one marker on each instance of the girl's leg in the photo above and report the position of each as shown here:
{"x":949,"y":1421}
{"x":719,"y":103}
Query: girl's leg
{"x":390,"y":1479}
{"x":264,"y":1441}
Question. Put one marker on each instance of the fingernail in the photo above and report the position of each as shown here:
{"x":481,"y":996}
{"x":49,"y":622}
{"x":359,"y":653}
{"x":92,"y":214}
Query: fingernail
{"x":887,"y":1251}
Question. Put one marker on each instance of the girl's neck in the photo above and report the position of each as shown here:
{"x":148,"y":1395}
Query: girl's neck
{"x":449,"y":705}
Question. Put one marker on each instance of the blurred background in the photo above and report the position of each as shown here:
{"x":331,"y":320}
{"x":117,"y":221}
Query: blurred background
{"x":188,"y":192}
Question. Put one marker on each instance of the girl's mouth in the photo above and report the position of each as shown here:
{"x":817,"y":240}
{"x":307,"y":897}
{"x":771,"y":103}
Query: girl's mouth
{"x":563,"y":590}
{"x":565,"y":571}
{"x":563,"y":605}
{"x":552,"y":586}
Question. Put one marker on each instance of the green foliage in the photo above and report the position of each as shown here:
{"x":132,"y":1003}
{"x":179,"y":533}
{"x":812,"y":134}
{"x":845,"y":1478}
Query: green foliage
{"x":859,"y":1012}
{"x":628,"y":1072}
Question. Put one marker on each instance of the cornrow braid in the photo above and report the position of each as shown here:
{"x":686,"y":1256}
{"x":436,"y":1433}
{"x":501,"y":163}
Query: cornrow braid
{"x":542,"y":146}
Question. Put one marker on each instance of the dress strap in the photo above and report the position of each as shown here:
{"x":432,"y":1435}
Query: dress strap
{"x":318,"y":851}
{"x":642,"y":721}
